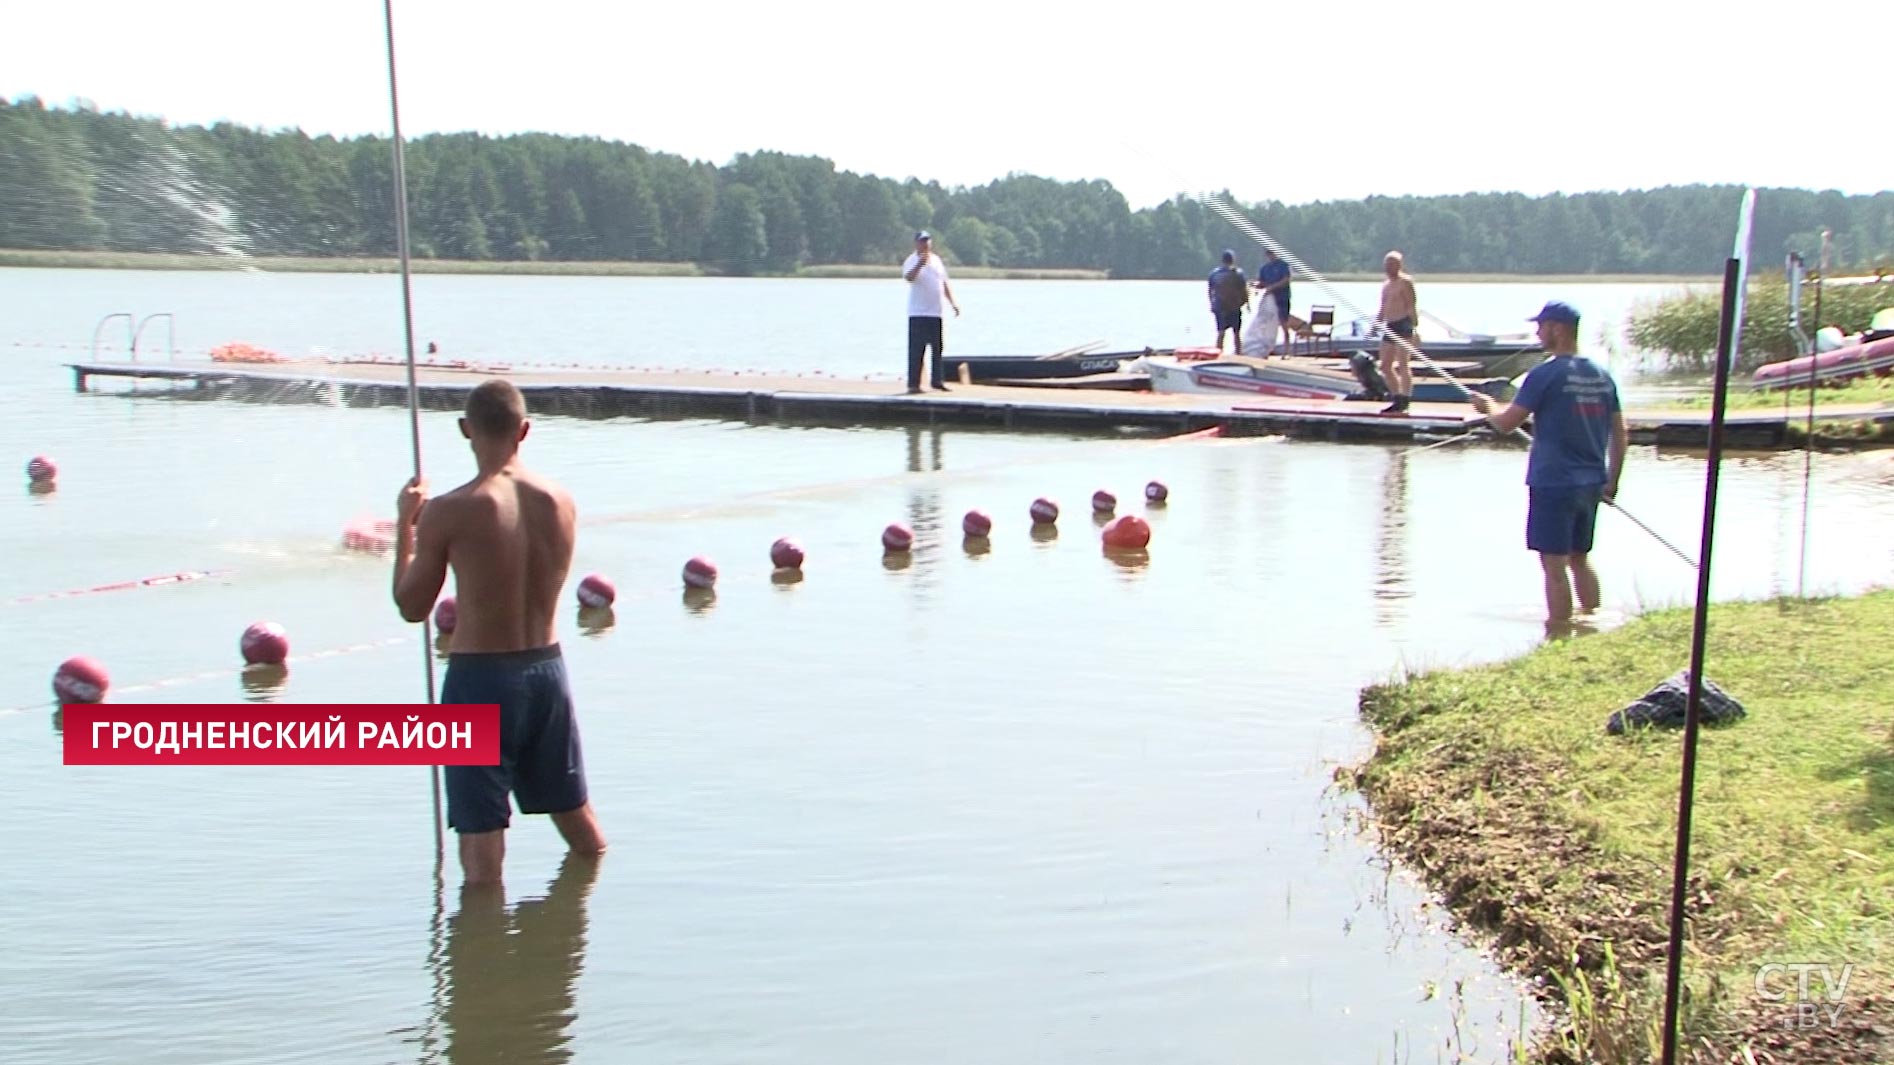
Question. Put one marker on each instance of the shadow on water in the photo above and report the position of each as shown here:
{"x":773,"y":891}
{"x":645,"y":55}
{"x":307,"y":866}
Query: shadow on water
{"x":1390,"y":554}
{"x":505,"y":983}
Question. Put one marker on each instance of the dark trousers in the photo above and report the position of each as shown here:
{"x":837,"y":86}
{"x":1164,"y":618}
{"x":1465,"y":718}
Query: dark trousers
{"x":923,"y":332}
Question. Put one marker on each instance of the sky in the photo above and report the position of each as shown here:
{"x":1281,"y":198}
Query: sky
{"x":1294,"y":102}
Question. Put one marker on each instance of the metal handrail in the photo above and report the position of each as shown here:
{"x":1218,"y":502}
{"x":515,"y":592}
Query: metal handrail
{"x":171,"y":334}
{"x":99,"y":328}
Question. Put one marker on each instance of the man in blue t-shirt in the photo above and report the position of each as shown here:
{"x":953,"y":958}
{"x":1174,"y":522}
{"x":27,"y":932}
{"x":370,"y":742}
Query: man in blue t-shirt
{"x":1272,"y":278}
{"x":1229,"y":295}
{"x":1578,"y":445}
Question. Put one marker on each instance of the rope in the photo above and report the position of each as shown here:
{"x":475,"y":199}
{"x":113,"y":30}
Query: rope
{"x":407,"y":319}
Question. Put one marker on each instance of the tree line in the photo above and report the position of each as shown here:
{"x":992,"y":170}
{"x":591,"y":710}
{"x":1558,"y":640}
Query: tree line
{"x":77,"y":178}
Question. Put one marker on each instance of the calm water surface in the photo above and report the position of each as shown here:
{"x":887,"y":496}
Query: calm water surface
{"x":1031,"y":804}
{"x":839,"y":326}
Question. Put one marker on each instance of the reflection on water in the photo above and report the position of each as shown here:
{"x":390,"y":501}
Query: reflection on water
{"x":263,"y":682}
{"x":924,"y":516}
{"x":699,"y":601}
{"x":1390,"y":554}
{"x":507,"y":980}
{"x":1130,"y":562}
{"x":595,"y":621}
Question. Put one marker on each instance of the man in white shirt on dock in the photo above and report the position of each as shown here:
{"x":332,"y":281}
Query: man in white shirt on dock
{"x":926,"y":276}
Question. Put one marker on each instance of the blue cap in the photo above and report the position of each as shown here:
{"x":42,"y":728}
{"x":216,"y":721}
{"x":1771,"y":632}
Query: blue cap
{"x":1229,"y":256}
{"x":1556,"y":311}
{"x":923,"y":235}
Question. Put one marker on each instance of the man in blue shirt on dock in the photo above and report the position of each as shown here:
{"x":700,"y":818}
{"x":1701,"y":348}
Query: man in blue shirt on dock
{"x":1578,"y":445}
{"x":1272,"y":278}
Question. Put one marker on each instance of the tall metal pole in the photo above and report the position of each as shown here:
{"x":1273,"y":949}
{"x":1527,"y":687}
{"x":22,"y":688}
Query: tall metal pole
{"x":1728,"y":341}
{"x":1808,"y":432}
{"x":407,"y":320}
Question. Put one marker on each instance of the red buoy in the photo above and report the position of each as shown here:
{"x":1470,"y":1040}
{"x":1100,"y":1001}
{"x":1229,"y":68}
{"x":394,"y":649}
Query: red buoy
{"x":976,"y":523}
{"x":897,"y":537}
{"x":1156,"y":492}
{"x":700,"y":572}
{"x":1104,"y":502}
{"x":80,"y":680}
{"x":1045,"y":511}
{"x":1127,"y":533}
{"x":785,"y":554}
{"x":596,"y":591}
{"x":264,"y":642}
{"x":40,"y":470}
{"x":446,"y":614}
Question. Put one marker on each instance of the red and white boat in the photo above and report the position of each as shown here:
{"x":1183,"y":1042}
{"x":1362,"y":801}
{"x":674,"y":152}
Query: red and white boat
{"x":1860,"y":359}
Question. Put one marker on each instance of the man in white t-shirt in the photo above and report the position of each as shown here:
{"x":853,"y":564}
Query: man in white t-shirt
{"x":926,"y":276}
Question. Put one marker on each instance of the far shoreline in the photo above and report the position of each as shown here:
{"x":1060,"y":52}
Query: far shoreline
{"x":161,"y":261}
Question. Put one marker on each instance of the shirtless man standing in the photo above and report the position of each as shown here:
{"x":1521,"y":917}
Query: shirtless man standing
{"x":508,"y":534}
{"x":1400,"y":309}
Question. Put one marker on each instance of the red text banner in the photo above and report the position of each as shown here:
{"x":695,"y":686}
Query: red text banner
{"x":245,"y":734}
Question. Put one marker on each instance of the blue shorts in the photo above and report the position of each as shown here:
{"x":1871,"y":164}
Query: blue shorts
{"x":1559,"y":521}
{"x":1230,"y":320}
{"x":540,"y":760}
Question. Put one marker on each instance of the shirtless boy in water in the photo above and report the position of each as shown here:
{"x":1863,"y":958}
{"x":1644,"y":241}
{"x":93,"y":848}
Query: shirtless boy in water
{"x":1400,"y":309}
{"x":508,"y":534}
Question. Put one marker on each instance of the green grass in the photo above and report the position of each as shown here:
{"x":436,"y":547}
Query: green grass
{"x":1502,"y":786}
{"x":1742,"y":397}
{"x":1682,"y":328}
{"x":1794,"y":402}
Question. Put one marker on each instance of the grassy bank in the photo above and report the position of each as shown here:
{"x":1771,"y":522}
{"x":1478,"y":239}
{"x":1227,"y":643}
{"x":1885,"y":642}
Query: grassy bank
{"x":1501,"y":787}
{"x":1832,"y":430}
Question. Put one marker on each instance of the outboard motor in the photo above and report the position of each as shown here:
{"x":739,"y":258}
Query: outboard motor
{"x":1371,"y":380}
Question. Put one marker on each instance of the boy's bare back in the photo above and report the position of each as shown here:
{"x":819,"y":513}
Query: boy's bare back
{"x":510,"y":536}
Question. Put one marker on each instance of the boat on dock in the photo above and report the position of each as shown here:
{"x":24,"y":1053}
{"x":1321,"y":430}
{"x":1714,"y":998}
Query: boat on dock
{"x":1861,"y":359}
{"x":1204,"y":371}
{"x":1504,"y":355}
{"x":1072,"y":363}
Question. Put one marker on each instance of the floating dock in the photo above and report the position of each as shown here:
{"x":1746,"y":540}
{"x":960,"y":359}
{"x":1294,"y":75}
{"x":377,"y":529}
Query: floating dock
{"x":816,"y":399}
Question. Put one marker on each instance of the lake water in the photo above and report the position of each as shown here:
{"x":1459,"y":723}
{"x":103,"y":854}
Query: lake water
{"x":840,"y":326}
{"x":1032,"y":804}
